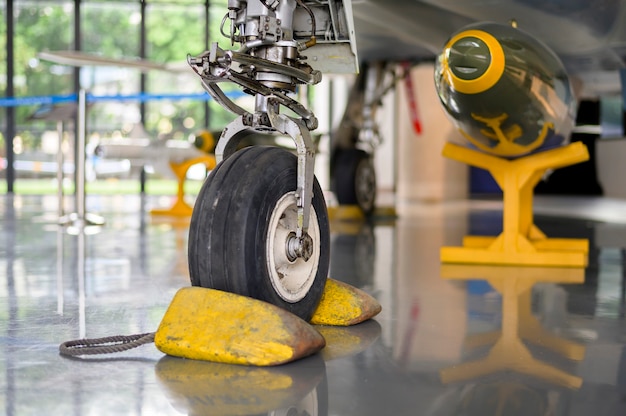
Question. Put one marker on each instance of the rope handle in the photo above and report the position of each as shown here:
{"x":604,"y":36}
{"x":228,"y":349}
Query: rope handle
{"x":106,"y":345}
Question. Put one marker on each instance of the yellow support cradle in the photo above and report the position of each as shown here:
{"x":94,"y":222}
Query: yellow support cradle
{"x":180,"y":208}
{"x":521,"y":242}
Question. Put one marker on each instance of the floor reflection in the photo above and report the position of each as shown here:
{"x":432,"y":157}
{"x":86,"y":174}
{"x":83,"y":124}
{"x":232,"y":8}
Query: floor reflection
{"x":298,"y":388}
{"x":205,"y":388}
{"x":450,"y":340}
{"x":509,"y":351}
{"x":353,"y":252}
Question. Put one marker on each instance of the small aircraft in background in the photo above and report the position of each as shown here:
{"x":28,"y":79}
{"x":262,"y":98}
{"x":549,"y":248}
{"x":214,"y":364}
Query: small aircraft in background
{"x":48,"y":168}
{"x":168,"y":158}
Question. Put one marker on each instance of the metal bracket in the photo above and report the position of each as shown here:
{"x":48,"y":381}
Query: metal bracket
{"x":305,"y":148}
{"x":300,"y":134}
{"x":216,"y":66}
{"x":231,"y":135}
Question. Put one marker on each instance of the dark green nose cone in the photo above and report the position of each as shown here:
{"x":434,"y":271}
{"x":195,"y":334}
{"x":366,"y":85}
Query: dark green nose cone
{"x":469,"y":58}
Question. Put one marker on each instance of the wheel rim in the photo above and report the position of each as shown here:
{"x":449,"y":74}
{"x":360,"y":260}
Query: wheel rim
{"x":291,"y":279}
{"x":365,"y":186}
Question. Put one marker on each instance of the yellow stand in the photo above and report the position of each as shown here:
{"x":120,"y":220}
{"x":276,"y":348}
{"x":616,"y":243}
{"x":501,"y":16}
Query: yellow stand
{"x":521,"y":242}
{"x":345,"y":213}
{"x":509,"y":351}
{"x":180,"y":207}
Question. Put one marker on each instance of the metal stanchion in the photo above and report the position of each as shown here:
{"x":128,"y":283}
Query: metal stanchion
{"x":60,"y":194}
{"x":78,"y":221}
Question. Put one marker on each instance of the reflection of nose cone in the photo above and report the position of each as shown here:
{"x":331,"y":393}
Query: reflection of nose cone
{"x":473,"y":62}
{"x":469,"y":58}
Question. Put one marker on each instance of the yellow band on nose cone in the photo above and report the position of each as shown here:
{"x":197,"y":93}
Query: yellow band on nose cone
{"x":489,"y":78}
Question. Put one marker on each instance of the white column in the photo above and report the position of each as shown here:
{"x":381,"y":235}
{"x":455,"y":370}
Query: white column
{"x":424,"y":175}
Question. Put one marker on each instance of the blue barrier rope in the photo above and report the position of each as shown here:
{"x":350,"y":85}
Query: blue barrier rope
{"x":140,"y":97}
{"x":35,"y":100}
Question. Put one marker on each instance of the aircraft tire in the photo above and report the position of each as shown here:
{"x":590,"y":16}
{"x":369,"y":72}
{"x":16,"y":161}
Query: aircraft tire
{"x":243,"y":216}
{"x":354,"y":179}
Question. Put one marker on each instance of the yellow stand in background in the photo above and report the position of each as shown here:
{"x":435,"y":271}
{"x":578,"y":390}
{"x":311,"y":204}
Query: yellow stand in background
{"x":521,"y":242}
{"x":180,"y":207}
{"x":346,"y":213}
{"x":509,"y":352}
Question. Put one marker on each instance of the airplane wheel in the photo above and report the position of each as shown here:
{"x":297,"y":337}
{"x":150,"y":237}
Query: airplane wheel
{"x":354,"y":179}
{"x":243,"y":220}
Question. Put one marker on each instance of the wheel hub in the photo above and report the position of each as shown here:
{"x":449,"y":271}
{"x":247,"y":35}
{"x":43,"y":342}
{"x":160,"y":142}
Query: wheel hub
{"x":299,"y":247}
{"x":292,"y":261}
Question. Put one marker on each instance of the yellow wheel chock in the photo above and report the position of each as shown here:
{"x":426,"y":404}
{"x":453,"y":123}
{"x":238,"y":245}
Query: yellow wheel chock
{"x":212,"y":325}
{"x":344,"y":305}
{"x":521,"y":242}
{"x":222,"y":327}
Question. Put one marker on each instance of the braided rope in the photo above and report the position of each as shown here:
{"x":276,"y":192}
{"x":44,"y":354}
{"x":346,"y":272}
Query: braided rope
{"x":106,"y":345}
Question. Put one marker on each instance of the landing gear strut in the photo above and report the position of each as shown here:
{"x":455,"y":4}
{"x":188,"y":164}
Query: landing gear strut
{"x":353,"y":177}
{"x":260,"y":225}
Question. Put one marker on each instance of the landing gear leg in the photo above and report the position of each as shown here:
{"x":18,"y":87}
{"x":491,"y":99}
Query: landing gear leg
{"x":260,"y":226}
{"x":353,"y":176}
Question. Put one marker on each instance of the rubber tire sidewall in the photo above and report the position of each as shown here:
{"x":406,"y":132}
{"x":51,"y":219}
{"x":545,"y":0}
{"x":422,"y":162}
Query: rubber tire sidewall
{"x":346,"y":165}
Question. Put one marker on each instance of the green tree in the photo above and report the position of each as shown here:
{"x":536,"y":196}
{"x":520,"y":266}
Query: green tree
{"x":38,"y":27}
{"x":184,"y":36}
{"x":174,"y":28}
{"x":110,"y":29}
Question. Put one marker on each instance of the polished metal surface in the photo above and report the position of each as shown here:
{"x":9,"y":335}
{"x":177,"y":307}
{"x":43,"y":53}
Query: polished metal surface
{"x":451,"y":340}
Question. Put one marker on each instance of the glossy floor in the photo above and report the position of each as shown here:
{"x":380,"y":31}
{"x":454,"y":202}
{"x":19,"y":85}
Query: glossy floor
{"x":451,"y":340}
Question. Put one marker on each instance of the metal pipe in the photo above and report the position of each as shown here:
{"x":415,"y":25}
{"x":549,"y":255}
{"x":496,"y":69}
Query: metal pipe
{"x":10,"y":111}
{"x":60,"y":193}
{"x":80,"y":153}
